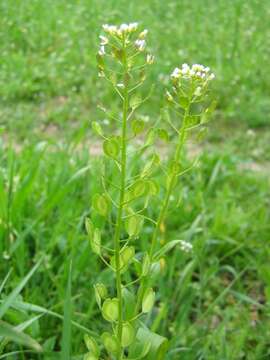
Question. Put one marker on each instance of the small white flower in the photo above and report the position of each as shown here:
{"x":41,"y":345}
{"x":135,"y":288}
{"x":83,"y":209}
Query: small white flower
{"x":150,"y":59}
{"x":101,"y":74}
{"x":120,"y":85}
{"x":185,"y":70}
{"x":101,"y":50}
{"x":132,"y":27}
{"x":176,"y":73}
{"x":103,"y":40}
{"x":169,"y":96}
{"x":143,"y":34}
{"x":111,"y":29}
{"x":140,"y":44}
{"x":123,"y":27}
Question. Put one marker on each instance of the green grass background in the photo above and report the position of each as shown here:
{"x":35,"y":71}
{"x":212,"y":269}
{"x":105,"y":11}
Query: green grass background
{"x":213,"y":305}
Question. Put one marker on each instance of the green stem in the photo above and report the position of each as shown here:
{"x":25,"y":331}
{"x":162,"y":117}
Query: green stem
{"x":117,"y":234}
{"x":164,"y":208}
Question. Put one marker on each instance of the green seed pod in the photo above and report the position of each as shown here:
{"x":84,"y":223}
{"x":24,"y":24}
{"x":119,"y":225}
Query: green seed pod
{"x":135,"y":101}
{"x":128,"y":334}
{"x":145,"y":265}
{"x":202,"y":133}
{"x":97,"y":128}
{"x":97,"y":296}
{"x":110,"y":342}
{"x":127,"y":255}
{"x":110,"y":309}
{"x":150,"y":165}
{"x":163,"y":135}
{"x":137,"y":126}
{"x":192,"y":120}
{"x":101,"y":204}
{"x":111,"y":147}
{"x":151,"y":136}
{"x":102,"y":290}
{"x":89,"y":228}
{"x":183,"y":102}
{"x":139,"y":188}
{"x":153,"y":187}
{"x":96,"y":242}
{"x":148,"y":300}
{"x":91,"y":345}
{"x":134,"y":224}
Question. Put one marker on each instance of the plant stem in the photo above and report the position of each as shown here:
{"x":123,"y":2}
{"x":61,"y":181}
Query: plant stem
{"x":164,"y":208}
{"x":117,"y":233}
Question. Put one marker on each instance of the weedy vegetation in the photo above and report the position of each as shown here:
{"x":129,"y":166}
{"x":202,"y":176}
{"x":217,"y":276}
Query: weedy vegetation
{"x":124,"y":203}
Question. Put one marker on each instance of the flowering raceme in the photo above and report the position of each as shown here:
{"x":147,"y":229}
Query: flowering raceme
{"x":122,"y":61}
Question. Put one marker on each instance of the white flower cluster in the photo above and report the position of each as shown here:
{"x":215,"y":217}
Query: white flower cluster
{"x":185,"y":246}
{"x":120,"y":30}
{"x":196,"y":71}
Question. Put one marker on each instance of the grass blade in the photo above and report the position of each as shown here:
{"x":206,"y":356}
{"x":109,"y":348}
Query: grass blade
{"x":66,"y":335}
{"x":12,"y":296}
{"x":10,"y":332}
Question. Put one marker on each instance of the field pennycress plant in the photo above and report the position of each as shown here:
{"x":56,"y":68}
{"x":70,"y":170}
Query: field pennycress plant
{"x":123,"y":62}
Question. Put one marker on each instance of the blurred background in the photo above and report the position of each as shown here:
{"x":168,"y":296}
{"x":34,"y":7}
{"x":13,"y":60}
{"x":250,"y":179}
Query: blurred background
{"x":214,"y":304}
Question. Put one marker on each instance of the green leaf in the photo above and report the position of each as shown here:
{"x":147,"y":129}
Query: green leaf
{"x":7,"y":302}
{"x":129,"y":303}
{"x":111,"y":147}
{"x":166,"y":248}
{"x":67,"y":325}
{"x":110,"y":309}
{"x":155,"y":345}
{"x":148,"y":300}
{"x":101,"y":204}
{"x":10,"y":332}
